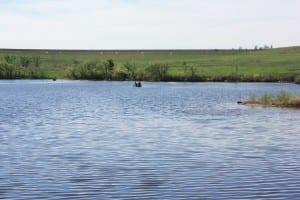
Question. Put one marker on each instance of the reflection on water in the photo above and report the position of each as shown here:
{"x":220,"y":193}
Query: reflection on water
{"x":102,"y":140}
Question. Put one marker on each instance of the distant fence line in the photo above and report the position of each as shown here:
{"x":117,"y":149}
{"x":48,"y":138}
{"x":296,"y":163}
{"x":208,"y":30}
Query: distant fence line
{"x":117,"y":51}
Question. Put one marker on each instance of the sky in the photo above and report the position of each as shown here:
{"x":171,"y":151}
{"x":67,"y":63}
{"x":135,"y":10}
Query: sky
{"x":148,"y":24}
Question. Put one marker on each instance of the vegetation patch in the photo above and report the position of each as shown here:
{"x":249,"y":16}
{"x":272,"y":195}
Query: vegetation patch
{"x":240,"y":65}
{"x":297,"y":79}
{"x":282,"y":99}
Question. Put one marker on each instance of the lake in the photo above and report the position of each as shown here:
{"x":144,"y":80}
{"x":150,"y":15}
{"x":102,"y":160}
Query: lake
{"x":110,"y":140}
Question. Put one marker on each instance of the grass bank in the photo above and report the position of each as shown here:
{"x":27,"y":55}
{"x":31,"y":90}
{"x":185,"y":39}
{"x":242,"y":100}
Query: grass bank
{"x":268,"y":65}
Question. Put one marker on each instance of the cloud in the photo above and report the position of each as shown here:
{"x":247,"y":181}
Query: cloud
{"x":139,"y":24}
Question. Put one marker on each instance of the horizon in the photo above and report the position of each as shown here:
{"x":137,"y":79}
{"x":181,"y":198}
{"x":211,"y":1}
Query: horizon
{"x":214,"y":49}
{"x":144,"y":24}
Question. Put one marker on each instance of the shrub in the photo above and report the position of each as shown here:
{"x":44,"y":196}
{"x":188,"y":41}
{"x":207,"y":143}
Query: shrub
{"x":120,"y":73}
{"x":108,"y":69}
{"x":36,"y":61}
{"x":131,"y":70}
{"x":297,"y":79}
{"x":25,"y":61}
{"x":88,"y":70}
{"x":9,"y":59}
{"x":7,"y":70}
{"x":157,"y":71}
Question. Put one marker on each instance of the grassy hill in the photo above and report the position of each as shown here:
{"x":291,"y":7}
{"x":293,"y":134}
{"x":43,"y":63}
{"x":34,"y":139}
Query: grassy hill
{"x":280,"y":64}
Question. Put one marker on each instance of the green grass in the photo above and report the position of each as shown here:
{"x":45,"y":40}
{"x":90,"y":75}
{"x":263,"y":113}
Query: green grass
{"x":282,"y":64}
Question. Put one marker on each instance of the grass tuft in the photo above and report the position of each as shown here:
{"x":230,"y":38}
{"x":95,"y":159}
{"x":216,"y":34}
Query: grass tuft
{"x":282,"y":99}
{"x":266,"y":99}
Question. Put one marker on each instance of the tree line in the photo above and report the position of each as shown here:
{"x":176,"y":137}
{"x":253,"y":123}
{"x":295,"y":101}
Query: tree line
{"x":24,"y":61}
{"x":13,"y":67}
{"x":108,"y":70}
{"x":25,"y":67}
{"x":18,"y":67}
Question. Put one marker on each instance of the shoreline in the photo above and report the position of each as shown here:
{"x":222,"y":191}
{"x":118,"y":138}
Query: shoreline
{"x":155,"y":81}
{"x":251,"y":104}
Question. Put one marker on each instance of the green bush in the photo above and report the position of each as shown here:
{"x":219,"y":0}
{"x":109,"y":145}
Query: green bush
{"x":131,"y":70}
{"x":36,"y":61}
{"x":157,"y":71}
{"x":10,"y":59}
{"x":25,"y":61}
{"x":6,"y":70}
{"x":120,"y":73}
{"x":297,"y":79}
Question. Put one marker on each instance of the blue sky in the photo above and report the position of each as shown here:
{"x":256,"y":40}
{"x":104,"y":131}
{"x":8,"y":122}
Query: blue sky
{"x":148,"y":24}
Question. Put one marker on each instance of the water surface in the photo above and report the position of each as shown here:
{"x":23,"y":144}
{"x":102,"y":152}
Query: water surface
{"x":103,"y":140}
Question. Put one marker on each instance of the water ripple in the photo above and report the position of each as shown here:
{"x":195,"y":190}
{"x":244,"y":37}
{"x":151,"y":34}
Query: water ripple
{"x":108,"y":140}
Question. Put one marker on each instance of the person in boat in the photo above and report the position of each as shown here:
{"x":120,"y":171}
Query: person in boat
{"x":137,"y":84}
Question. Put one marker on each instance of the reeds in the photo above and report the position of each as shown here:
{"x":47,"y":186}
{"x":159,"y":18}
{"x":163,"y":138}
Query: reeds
{"x":282,"y":99}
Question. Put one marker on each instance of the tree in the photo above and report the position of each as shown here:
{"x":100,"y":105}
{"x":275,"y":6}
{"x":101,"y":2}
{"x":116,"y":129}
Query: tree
{"x":7,"y":70}
{"x":158,"y":71}
{"x":36,"y":61}
{"x":185,"y":68}
{"x":193,"y":72}
{"x":9,"y":59}
{"x":190,"y":72}
{"x":25,"y":61}
{"x":120,"y":73}
{"x":131,"y":70}
{"x":87,"y":70}
{"x":108,"y":69}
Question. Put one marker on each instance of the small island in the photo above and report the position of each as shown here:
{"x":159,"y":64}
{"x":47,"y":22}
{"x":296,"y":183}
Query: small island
{"x":282,"y":99}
